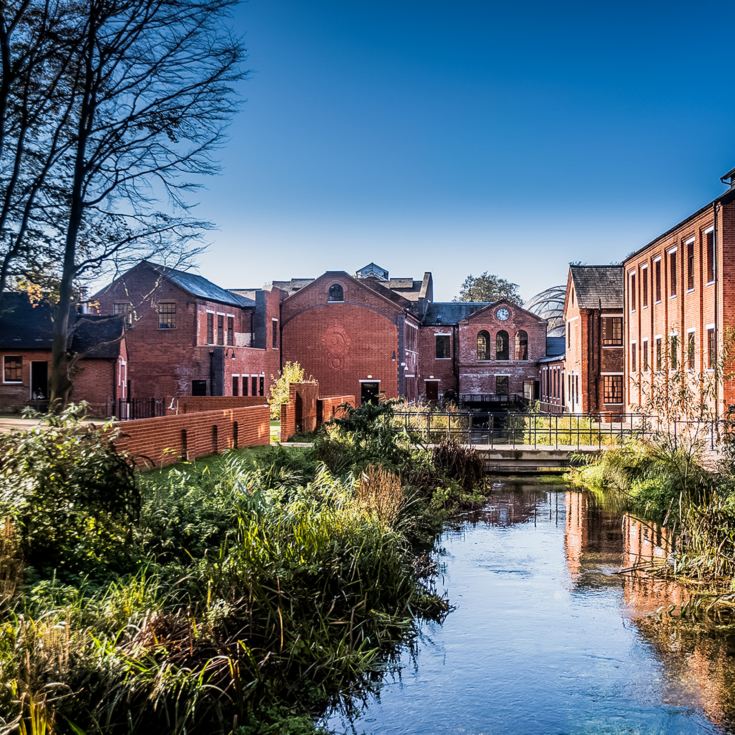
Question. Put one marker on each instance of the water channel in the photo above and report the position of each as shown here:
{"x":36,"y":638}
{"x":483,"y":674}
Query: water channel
{"x":548,"y":637}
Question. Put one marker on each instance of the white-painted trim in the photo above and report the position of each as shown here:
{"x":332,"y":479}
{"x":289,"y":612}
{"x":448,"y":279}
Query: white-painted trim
{"x":612,"y":373}
{"x":368,"y":380}
{"x":691,"y":330}
{"x":690,"y":240}
{"x":14,"y":382}
{"x":708,"y":230}
{"x":710,"y":326}
{"x":442,"y":334}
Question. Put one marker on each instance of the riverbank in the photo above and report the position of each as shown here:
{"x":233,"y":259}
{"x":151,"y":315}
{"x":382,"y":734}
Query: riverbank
{"x":241,"y":594}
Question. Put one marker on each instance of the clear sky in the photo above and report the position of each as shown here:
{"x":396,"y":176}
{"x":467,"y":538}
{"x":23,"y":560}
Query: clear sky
{"x":466,"y":135}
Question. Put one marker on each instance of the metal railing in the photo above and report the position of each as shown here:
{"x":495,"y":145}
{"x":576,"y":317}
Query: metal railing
{"x":556,"y":431}
{"x":136,"y":408}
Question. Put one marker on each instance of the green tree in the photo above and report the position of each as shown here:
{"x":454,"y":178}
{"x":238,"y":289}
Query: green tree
{"x":292,"y":373}
{"x":489,"y":287}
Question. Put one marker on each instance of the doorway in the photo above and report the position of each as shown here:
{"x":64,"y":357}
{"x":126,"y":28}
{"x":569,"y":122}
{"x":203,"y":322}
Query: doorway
{"x":369,"y":391}
{"x":432,"y":390}
{"x":39,"y":381}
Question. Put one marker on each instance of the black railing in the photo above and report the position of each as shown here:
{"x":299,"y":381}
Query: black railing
{"x":136,"y":408}
{"x":556,"y":431}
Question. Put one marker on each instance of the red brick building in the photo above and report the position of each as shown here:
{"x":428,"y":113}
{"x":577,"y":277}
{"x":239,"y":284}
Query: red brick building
{"x":187,"y":336}
{"x":98,"y":345}
{"x":594,"y":360}
{"x":680,"y":305}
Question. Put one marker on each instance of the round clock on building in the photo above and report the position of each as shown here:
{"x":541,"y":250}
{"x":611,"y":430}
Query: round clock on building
{"x":502,"y":313}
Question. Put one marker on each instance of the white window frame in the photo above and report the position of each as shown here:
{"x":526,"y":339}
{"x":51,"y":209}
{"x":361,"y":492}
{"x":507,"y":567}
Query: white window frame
{"x":632,"y":274}
{"x":634,"y":350}
{"x":714,"y":255}
{"x":644,"y":267}
{"x":657,"y":259}
{"x":689,"y":241}
{"x":669,"y":252}
{"x":13,"y":382}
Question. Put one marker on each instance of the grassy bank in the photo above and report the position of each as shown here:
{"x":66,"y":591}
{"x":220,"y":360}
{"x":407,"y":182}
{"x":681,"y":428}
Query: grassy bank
{"x":239,"y":594}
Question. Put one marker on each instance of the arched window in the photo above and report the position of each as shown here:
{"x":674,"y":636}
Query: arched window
{"x":521,"y":345}
{"x":483,"y":346}
{"x":502,"y":345}
{"x":336,"y":293}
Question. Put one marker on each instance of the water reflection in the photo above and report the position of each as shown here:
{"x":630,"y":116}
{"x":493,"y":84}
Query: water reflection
{"x":548,"y":637}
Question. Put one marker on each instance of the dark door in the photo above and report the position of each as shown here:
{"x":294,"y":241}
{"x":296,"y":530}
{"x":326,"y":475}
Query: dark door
{"x":432,"y":390}
{"x":369,"y":392}
{"x":199,"y":387}
{"x":39,"y":381}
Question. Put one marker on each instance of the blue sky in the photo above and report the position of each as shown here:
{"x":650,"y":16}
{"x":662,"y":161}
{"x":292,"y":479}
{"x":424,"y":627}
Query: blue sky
{"x":463,"y":136}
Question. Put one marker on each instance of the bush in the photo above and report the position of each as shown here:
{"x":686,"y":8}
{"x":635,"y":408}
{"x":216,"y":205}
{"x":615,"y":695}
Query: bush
{"x":461,"y":463}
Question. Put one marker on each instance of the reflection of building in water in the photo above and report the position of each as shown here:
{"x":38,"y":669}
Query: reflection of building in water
{"x":644,"y":541}
{"x":592,"y":539}
{"x":515,"y":506}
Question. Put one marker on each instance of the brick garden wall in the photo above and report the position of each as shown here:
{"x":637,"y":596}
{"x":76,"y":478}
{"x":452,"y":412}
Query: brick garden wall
{"x":328,"y":408}
{"x":161,"y":441}
{"x":299,"y":415}
{"x":193,"y":404}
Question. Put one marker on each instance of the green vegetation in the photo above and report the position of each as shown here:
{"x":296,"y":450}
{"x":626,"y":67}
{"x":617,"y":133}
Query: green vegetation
{"x":292,"y":372}
{"x":242,"y":594}
{"x":563,"y":430}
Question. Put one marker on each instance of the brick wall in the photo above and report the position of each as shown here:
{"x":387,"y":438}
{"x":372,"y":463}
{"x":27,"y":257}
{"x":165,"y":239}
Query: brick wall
{"x":433,"y":368}
{"x":161,"y":441}
{"x":299,"y":415}
{"x":328,"y":407}
{"x":193,"y":404}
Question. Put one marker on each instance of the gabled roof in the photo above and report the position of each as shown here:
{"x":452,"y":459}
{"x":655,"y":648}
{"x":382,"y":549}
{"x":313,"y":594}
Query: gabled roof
{"x":200,"y":287}
{"x":513,"y":307}
{"x":441,"y":313}
{"x":27,"y":327}
{"x":598,"y":286}
{"x":372,"y":270}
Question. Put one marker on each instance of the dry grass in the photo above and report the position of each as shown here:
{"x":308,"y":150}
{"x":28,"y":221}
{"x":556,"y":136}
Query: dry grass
{"x":380,"y":494}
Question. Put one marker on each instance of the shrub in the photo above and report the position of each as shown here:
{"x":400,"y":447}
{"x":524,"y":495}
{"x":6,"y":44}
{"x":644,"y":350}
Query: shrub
{"x":292,"y":372}
{"x":459,"y":462}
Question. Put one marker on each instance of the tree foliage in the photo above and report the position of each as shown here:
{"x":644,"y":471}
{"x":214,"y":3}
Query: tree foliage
{"x":292,"y":372}
{"x":489,"y":287}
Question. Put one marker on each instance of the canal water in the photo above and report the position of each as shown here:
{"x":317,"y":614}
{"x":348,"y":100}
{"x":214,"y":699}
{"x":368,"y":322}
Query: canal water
{"x":546,"y":635}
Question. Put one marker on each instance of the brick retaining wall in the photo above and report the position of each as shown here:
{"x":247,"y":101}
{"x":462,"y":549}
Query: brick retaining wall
{"x":191,"y":404}
{"x":328,"y":407}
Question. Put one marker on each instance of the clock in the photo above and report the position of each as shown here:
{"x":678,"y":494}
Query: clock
{"x":503,"y":314}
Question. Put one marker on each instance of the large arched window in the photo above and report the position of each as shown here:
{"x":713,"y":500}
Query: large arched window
{"x":502,"y":345}
{"x":483,"y":345}
{"x":336,"y":293}
{"x":521,"y":345}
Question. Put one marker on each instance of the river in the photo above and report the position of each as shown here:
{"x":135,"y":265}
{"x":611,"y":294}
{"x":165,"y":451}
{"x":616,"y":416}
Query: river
{"x":546,"y":636}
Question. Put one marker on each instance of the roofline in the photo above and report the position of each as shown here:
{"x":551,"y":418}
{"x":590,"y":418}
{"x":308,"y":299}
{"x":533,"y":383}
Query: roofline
{"x":491,"y":304}
{"x":722,"y":199}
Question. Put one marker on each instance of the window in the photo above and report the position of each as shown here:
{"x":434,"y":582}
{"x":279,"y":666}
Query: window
{"x":612,"y":388}
{"x":124,"y":309}
{"x":167,"y":315}
{"x":569,"y":334}
{"x":690,"y":265}
{"x":274,"y":334}
{"x":254,"y":385}
{"x":231,"y":330}
{"x":672,"y":273}
{"x":644,"y":356}
{"x":709,"y":238}
{"x":502,"y":345}
{"x":220,"y":329}
{"x":612,"y":331}
{"x":644,"y":287}
{"x":442,"y":347}
{"x":691,"y":350}
{"x":262,"y":385}
{"x":657,"y":280}
{"x":673,"y":351}
{"x":235,"y":385}
{"x":210,"y":328}
{"x":659,"y":354}
{"x":12,"y":369}
{"x":483,"y":346}
{"x":632,"y":292}
{"x":521,"y":351}
{"x":245,"y":384}
{"x":502,"y":385}
{"x":336,"y":293}
{"x":711,"y":348}
{"x":633,"y":357}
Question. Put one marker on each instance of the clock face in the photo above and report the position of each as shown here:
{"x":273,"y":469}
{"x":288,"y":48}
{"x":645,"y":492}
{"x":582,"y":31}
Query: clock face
{"x":502,"y":313}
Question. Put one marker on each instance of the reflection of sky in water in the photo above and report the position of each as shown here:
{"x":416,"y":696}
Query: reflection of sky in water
{"x":540,"y":641}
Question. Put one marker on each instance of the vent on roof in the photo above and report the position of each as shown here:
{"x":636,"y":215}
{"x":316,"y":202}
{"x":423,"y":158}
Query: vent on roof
{"x":729,"y":178}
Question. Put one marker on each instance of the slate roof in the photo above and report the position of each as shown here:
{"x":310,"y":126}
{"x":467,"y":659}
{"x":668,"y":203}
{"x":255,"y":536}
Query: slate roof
{"x":200,"y":287}
{"x":451,"y":312}
{"x":294,"y":285}
{"x":25,"y":327}
{"x":555,"y":346}
{"x":598,"y":286}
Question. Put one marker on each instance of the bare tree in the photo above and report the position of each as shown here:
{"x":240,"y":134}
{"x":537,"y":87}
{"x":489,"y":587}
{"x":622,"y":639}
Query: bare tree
{"x":150,"y":91}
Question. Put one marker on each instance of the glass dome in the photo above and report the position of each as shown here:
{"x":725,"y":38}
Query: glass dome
{"x":549,"y":305}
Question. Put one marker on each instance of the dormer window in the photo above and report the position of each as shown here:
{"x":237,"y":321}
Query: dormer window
{"x":336,"y":293}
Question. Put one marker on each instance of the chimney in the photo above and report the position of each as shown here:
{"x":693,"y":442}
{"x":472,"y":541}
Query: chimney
{"x":729,"y":179}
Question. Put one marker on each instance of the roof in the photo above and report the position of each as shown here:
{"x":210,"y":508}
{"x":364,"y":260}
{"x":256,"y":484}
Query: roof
{"x":27,"y":327}
{"x":294,"y":285}
{"x":555,"y":346}
{"x":200,"y":287}
{"x":451,"y":312}
{"x":598,"y":286}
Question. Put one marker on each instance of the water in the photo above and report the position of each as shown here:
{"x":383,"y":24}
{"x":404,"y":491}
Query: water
{"x":546,"y":637}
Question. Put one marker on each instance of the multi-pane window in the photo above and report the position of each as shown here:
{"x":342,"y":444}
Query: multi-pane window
{"x":336,"y":293}
{"x":633,"y":357}
{"x":12,"y":369}
{"x":644,"y":357}
{"x":220,"y":329}
{"x":674,"y":351}
{"x":274,"y":334}
{"x":261,"y":385}
{"x":659,"y":354}
{"x":166,"y":315}
{"x":442,"y":347}
{"x":711,"y":348}
{"x":709,"y":239}
{"x":231,"y":330}
{"x":672,"y":273}
{"x":483,"y":345}
{"x":245,"y":384}
{"x":632,"y":292}
{"x":125,"y":310}
{"x":235,"y":384}
{"x":644,"y":287}
{"x":690,"y":265}
{"x":691,"y":350}
{"x":657,"y":280}
{"x":502,"y":345}
{"x":521,"y":346}
{"x":254,"y":385}
{"x":502,"y":385}
{"x":210,"y":328}
{"x":612,"y":388}
{"x":612,"y":331}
